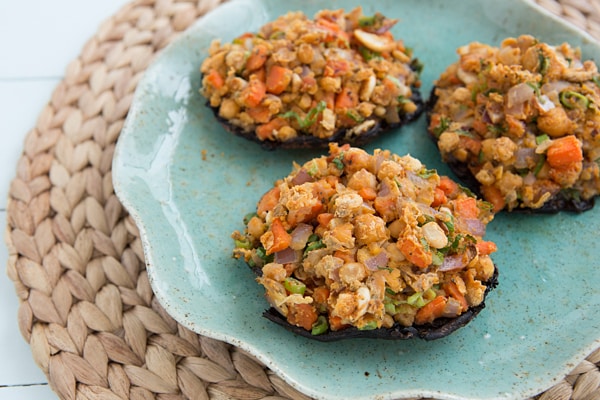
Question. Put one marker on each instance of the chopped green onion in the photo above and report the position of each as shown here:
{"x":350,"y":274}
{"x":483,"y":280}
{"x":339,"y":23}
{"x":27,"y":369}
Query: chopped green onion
{"x":570,"y":100}
{"x":462,"y":132}
{"x":389,"y":308}
{"x":262,"y":253}
{"x":544,"y":62}
{"x":402,"y":100}
{"x":419,"y":299}
{"x":320,"y":326}
{"x":293,"y":285}
{"x":313,"y":169}
{"x":311,"y":116}
{"x":243,"y":244}
{"x":424,"y":243}
{"x":355,"y":116}
{"x":541,"y":139}
{"x":277,"y":35}
{"x":367,"y":54}
{"x":317,"y":244}
{"x":535,"y":86}
{"x":369,"y":326}
{"x":366,"y":21}
{"x":450,"y":225}
{"x":441,"y":128}
{"x":466,"y":191}
{"x":496,"y":129}
{"x":338,"y":161}
{"x":426,"y":173}
{"x":438,"y":258}
{"x":596,"y":80}
{"x":539,"y":165}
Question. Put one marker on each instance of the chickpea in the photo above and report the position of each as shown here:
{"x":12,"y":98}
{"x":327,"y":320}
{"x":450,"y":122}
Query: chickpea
{"x":229,"y":109}
{"x":305,"y":53}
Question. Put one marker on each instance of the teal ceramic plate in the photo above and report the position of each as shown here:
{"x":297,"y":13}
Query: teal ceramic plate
{"x":187,"y":183}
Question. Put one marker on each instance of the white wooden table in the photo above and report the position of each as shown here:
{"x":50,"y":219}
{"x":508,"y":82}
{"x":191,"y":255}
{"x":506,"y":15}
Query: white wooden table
{"x":38,"y":39}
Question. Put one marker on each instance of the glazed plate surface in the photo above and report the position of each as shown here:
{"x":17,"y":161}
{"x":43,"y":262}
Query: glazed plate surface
{"x":188,"y":183}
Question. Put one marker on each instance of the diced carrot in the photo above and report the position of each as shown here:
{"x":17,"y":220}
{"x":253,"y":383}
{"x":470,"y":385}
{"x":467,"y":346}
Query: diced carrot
{"x":472,"y":145}
{"x":215,"y":79}
{"x":281,"y":239}
{"x":257,"y":57}
{"x":328,"y":98}
{"x":323,"y":189}
{"x":430,"y":311}
{"x":278,"y":79}
{"x":414,"y":252}
{"x":494,"y":196}
{"x":336,"y":324}
{"x":268,"y":201}
{"x":449,"y":187}
{"x":303,"y":315}
{"x":367,"y":193}
{"x":329,"y":25}
{"x":254,"y":92}
{"x":439,"y":197}
{"x":335,"y":31}
{"x":308,"y":82}
{"x":260,"y":114}
{"x":485,"y":248}
{"x":451,"y":290}
{"x":320,"y":294}
{"x":346,"y":99}
{"x":564,"y":152}
{"x":434,"y":121}
{"x":344,"y":255}
{"x":265,"y":131}
{"x":466,"y":207}
{"x":336,"y":67}
{"x":387,"y":207}
{"x":480,"y":127}
{"x":324,"y":218}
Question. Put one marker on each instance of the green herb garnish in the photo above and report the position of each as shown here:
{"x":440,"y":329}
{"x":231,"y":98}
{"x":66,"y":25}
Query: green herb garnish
{"x":311,"y":116}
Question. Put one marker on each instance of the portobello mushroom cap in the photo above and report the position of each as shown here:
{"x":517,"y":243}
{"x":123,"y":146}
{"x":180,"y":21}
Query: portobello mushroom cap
{"x":342,"y":136}
{"x":561,"y":201}
{"x":438,"y":329}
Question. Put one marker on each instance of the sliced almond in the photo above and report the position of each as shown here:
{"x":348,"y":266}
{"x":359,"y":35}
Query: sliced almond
{"x":374,"y":42}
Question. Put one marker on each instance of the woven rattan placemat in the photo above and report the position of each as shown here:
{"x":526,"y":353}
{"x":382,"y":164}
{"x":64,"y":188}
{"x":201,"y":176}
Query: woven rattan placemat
{"x":75,"y":256}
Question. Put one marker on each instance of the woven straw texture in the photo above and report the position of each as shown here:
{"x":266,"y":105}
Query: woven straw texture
{"x":75,"y":256}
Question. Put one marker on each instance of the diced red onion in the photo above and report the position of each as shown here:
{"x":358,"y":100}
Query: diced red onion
{"x":379,"y":158}
{"x":300,"y":236}
{"x":495,"y":112}
{"x":554,"y":87}
{"x":302,"y":177}
{"x":523,"y":157}
{"x":384,"y":190}
{"x":474,"y":226}
{"x":452,"y":308}
{"x":376,"y":262}
{"x":287,"y":256}
{"x":529,"y":179}
{"x":544,"y":103}
{"x":516,"y":98}
{"x":452,"y":263}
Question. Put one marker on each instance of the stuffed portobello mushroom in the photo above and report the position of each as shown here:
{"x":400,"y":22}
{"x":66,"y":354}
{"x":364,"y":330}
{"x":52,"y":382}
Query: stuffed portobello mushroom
{"x":354,"y":244}
{"x":302,"y":83}
{"x":520,"y":124}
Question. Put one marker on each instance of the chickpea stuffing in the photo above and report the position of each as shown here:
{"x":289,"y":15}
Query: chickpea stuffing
{"x":363,"y":241}
{"x":299,"y":82}
{"x":520,"y":124}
